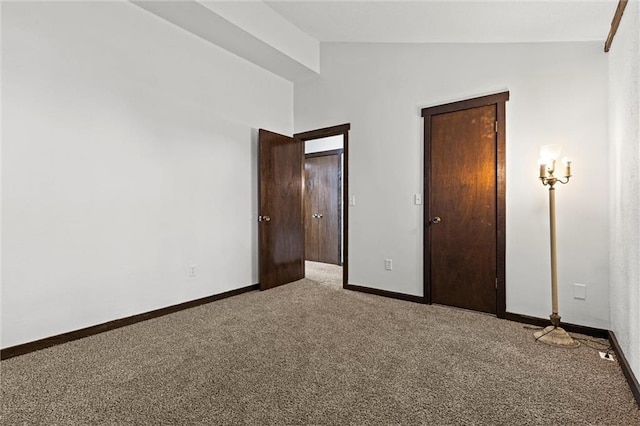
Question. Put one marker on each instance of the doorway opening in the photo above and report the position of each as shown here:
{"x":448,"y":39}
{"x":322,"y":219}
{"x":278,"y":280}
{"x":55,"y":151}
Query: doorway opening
{"x":326,"y":189}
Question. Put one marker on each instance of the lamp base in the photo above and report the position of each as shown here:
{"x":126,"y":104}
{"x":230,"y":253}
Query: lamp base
{"x":555,"y":336}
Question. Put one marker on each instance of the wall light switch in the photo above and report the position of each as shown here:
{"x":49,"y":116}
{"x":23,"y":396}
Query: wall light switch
{"x":192,"y":271}
{"x":418,"y":199}
{"x":580,"y":291}
{"x":352,"y":200}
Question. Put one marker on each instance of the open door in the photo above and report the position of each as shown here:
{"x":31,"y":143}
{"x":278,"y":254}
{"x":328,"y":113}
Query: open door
{"x":281,"y":227}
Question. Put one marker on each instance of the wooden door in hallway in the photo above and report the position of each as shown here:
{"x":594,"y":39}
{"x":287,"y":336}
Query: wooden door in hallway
{"x":322,"y":207}
{"x":464,"y":218}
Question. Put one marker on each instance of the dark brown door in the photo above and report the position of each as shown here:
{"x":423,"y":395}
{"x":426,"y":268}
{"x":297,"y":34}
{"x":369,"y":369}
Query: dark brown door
{"x":281,"y":226}
{"x":463,"y":208}
{"x":322,"y":208}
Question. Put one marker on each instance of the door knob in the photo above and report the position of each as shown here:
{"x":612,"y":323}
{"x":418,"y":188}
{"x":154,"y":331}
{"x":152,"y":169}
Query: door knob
{"x":264,"y":218}
{"x":320,"y":216}
{"x":436,"y":220}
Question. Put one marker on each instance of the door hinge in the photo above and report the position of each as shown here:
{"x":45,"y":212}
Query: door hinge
{"x":496,"y":283}
{"x":496,"y":127}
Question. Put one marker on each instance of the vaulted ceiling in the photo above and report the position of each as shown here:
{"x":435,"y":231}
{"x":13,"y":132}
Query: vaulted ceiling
{"x":284,"y":37}
{"x":429,"y":21}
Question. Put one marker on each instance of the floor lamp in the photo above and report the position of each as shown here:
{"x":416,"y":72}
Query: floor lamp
{"x":553,"y":334}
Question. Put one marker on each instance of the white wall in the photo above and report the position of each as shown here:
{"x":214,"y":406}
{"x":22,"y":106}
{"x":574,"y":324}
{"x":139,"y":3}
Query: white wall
{"x":624,"y":131}
{"x":324,"y":144}
{"x":129,"y":153}
{"x":558,"y":93}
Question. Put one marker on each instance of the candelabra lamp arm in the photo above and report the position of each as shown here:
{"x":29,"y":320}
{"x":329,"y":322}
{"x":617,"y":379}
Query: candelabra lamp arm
{"x":552,"y":180}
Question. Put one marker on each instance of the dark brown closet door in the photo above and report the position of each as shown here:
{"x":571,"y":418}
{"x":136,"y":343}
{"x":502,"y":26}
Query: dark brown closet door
{"x":463,"y":208}
{"x":322,"y":208}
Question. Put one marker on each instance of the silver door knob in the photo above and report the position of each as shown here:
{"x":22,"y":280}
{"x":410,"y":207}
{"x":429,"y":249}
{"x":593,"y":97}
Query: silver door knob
{"x":436,"y":220}
{"x":264,"y":218}
{"x":320,"y":216}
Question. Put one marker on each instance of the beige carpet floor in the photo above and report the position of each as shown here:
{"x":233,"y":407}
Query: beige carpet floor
{"x":325,"y":274}
{"x":308,"y":353}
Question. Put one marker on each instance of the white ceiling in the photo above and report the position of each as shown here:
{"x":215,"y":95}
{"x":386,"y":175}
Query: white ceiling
{"x":284,"y":36}
{"x":430,"y":21}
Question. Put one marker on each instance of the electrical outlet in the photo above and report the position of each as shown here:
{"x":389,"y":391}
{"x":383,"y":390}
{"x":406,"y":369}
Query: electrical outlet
{"x":388,"y":264}
{"x":580,"y":291}
{"x":607,"y":355}
{"x":192,"y":271}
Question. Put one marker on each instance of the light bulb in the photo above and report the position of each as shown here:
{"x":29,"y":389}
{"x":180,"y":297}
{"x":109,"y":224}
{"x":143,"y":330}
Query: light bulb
{"x":550,"y":153}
